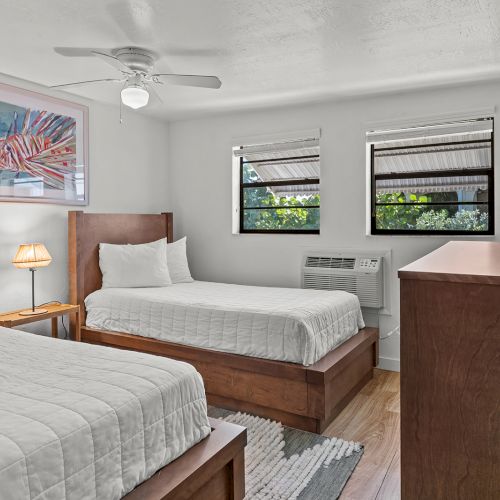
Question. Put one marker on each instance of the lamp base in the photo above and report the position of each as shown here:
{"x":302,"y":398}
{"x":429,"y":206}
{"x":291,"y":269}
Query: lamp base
{"x":30,"y":312}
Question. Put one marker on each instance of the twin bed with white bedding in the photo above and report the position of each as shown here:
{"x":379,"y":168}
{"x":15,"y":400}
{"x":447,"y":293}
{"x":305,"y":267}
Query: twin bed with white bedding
{"x":293,"y":355}
{"x":284,"y":324}
{"x":82,"y":422}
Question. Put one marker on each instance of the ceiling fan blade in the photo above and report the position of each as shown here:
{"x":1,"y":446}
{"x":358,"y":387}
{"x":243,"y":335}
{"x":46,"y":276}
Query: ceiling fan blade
{"x":77,"y":84}
{"x":93,"y":52}
{"x":210,"y":82}
{"x":114,"y":61}
{"x":154,"y":94}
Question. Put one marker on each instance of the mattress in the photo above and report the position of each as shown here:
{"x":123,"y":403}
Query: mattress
{"x":285,"y":324}
{"x":87,"y":422}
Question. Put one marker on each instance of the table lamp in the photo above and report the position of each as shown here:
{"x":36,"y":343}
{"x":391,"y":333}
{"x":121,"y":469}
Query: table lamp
{"x":31,"y":256}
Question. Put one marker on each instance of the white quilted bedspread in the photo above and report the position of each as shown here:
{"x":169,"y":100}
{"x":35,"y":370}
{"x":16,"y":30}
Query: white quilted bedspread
{"x":86,"y":422}
{"x":286,"y":324}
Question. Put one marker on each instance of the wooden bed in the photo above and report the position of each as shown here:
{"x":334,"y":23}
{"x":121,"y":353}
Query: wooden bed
{"x":307,"y":398}
{"x":214,"y":469}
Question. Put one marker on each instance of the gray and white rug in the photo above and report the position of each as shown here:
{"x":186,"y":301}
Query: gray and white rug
{"x":288,"y":464}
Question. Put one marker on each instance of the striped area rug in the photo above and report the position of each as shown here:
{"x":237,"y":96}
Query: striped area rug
{"x":288,"y":464}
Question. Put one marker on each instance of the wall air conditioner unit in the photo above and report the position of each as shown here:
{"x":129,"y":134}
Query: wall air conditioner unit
{"x":362,"y":276}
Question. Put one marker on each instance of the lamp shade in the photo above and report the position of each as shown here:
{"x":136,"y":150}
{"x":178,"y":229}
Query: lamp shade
{"x":32,"y":255}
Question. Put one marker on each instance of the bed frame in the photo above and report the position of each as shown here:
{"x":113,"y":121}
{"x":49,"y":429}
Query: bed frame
{"x":214,"y":469}
{"x":307,"y":398}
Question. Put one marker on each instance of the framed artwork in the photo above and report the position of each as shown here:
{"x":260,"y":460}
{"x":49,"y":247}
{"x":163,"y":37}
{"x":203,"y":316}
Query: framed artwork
{"x":43,"y":148}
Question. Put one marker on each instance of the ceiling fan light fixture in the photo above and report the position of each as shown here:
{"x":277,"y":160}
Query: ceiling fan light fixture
{"x":135,"y":96}
{"x":136,"y":67}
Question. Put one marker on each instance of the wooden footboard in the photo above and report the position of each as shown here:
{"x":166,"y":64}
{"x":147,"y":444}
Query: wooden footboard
{"x":214,"y":469}
{"x":307,"y":398}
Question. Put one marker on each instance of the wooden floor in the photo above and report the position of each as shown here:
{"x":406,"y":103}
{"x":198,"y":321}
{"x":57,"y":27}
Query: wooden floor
{"x":372,"y":418}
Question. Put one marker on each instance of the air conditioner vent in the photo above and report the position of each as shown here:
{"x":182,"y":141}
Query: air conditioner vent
{"x":331,"y":262}
{"x":361,"y":276}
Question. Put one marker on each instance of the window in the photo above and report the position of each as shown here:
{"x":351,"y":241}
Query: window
{"x":279,"y":186}
{"x":433,"y":180}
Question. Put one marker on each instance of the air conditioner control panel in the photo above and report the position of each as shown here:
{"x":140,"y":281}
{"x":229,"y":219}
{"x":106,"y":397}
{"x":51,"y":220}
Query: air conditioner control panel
{"x":370,"y":264}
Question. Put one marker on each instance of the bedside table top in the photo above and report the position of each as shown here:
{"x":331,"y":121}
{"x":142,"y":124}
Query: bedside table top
{"x":13,"y":318}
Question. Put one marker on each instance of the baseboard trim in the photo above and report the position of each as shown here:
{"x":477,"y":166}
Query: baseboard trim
{"x":390,"y":364}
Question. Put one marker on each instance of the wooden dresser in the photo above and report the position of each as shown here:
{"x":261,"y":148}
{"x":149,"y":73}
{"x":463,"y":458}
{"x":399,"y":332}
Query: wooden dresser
{"x":450,"y":373}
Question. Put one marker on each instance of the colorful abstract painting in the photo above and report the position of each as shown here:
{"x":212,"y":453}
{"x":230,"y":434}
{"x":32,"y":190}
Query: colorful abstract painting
{"x":43,"y":148}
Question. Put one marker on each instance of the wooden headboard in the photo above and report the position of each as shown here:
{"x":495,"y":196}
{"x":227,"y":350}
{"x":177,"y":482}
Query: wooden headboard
{"x":86,"y":231}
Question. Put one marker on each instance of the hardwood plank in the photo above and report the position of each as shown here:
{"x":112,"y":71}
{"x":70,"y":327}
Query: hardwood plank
{"x":386,"y":381}
{"x":338,"y":426}
{"x":391,"y":486}
{"x":372,"y":418}
{"x":384,"y":384}
{"x":395,"y":405}
{"x":381,"y":440}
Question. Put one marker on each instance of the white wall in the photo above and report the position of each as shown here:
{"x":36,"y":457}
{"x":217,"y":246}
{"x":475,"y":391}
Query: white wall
{"x":128,"y":173}
{"x":200,"y":171}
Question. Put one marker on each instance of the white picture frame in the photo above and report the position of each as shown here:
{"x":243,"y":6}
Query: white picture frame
{"x":43,"y":148}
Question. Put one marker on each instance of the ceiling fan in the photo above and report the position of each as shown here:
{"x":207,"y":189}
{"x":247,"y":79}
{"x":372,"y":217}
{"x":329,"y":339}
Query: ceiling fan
{"x":136,"y":66}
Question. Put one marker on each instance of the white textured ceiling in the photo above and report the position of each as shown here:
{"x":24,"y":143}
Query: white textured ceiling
{"x":266,"y":52}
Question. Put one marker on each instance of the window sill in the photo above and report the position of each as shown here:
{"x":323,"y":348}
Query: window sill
{"x":432,"y":235}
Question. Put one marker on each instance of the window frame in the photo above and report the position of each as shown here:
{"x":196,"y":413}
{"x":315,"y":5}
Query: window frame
{"x":294,"y":182}
{"x":489,"y":172}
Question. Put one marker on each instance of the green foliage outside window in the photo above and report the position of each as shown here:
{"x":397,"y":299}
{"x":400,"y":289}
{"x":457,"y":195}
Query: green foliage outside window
{"x":463,"y":220}
{"x":281,"y":217}
{"x":398,"y":216}
{"x":424,"y":218}
{"x":277,"y":216}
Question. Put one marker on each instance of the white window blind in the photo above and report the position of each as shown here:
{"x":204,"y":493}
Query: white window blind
{"x":466,"y":127}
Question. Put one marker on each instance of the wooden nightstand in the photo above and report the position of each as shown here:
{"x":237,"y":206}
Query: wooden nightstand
{"x":13,"y":318}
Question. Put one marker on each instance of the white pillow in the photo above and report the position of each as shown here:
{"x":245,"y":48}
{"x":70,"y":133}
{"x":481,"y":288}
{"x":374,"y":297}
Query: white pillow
{"x":129,"y":266}
{"x":177,"y":262}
